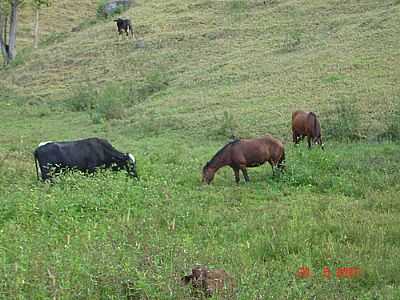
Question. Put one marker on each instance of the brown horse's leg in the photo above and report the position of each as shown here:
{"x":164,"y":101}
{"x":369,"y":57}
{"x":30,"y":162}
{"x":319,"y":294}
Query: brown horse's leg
{"x":295,"y":137}
{"x":237,"y":177}
{"x":309,"y":141}
{"x":273,"y":170}
{"x":246,"y":177}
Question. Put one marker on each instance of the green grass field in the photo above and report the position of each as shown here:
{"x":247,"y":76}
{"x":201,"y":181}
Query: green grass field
{"x":209,"y":70}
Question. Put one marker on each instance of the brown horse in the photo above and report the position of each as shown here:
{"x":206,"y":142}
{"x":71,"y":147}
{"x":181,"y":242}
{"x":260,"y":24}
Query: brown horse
{"x":243,"y":153}
{"x":306,"y":124}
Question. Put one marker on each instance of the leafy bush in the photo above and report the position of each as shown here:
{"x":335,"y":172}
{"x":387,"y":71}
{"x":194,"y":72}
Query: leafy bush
{"x":100,"y":8}
{"x":100,"y":12}
{"x":343,"y":123}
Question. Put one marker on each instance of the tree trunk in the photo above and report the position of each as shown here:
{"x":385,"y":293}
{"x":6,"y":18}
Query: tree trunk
{"x":5,"y":28}
{"x":36,"y":29}
{"x":3,"y":49}
{"x":13,"y":30}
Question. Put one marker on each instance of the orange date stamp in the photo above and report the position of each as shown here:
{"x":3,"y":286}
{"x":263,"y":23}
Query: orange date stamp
{"x":341,"y":273}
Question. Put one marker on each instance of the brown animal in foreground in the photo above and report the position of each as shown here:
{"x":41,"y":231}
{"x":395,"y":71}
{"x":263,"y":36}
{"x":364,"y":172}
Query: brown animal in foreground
{"x":243,"y":153}
{"x":211,"y":282}
{"x":306,"y":124}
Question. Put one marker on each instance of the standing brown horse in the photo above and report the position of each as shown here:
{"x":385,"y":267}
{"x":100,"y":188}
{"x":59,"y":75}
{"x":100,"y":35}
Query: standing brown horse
{"x":243,"y":153}
{"x":306,"y":124}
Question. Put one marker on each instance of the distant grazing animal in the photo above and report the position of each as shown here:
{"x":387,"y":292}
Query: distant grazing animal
{"x":85,"y":155}
{"x":124,"y":25}
{"x":243,"y":153}
{"x":306,"y":124}
{"x":211,"y":282}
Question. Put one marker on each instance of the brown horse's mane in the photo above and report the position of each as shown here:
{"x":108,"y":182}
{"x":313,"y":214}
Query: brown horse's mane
{"x":221,"y":150}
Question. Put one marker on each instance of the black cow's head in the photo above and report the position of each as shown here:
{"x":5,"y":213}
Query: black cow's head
{"x":131,"y":165}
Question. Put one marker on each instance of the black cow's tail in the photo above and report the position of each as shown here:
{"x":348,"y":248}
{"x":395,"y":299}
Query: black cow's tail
{"x":36,"y":164}
{"x":130,"y":27}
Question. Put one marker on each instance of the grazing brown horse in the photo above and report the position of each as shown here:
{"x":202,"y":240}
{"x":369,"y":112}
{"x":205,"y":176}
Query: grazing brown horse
{"x":306,"y":124}
{"x":243,"y":153}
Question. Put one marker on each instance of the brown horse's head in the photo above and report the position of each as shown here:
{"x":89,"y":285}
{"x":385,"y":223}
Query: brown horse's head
{"x":208,"y":173}
{"x":318,"y":141}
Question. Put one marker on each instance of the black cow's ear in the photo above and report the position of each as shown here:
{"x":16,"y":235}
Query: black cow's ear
{"x":186,"y":279}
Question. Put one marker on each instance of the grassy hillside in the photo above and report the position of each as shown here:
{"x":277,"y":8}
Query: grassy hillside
{"x":57,"y":19}
{"x":209,"y":70}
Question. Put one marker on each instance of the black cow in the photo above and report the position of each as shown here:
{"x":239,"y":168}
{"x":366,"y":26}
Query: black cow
{"x":85,"y":155}
{"x":124,"y":25}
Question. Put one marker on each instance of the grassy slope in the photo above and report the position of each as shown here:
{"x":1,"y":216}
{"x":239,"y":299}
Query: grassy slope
{"x":56,"y":19}
{"x":85,"y":238}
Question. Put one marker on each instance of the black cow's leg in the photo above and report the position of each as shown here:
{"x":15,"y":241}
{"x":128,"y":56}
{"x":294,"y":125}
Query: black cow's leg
{"x":246,"y":177}
{"x":309,"y":141}
{"x":45,"y":173}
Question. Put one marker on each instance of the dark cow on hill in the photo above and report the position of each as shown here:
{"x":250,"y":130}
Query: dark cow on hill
{"x":84,"y":155}
{"x":124,"y":25}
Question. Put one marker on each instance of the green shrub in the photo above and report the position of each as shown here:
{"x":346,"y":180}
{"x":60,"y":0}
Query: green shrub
{"x":343,"y":123}
{"x":100,"y":9}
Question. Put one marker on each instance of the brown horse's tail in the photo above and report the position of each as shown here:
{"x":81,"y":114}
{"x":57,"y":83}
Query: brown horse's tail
{"x":316,"y":130}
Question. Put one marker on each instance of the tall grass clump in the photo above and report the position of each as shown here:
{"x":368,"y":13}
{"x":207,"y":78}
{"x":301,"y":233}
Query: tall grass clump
{"x":111,"y":103}
{"x":114,"y":99}
{"x":291,"y":42}
{"x":238,"y":6}
{"x":392,"y":131}
{"x":82,"y":99}
{"x":153,"y":83}
{"x":227,"y":126}
{"x":343,"y":123}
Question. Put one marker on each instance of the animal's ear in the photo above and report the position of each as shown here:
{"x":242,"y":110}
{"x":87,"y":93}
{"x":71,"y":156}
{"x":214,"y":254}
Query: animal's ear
{"x":186,"y":279}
